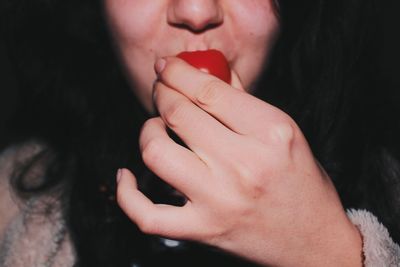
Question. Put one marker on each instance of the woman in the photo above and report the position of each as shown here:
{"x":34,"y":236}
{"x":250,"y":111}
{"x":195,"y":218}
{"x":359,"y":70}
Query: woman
{"x":258,"y":177}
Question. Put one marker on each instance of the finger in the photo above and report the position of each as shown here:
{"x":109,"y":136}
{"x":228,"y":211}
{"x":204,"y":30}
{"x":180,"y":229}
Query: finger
{"x":175,"y":164}
{"x":238,"y":110}
{"x":236,"y":82}
{"x":156,"y":219}
{"x":202,"y":133}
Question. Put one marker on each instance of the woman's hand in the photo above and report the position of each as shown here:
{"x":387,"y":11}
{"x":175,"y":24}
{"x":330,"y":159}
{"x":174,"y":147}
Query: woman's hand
{"x":253,"y":186}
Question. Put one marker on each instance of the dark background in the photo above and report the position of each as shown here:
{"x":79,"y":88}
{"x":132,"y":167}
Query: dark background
{"x":8,"y":91}
{"x":389,"y":54}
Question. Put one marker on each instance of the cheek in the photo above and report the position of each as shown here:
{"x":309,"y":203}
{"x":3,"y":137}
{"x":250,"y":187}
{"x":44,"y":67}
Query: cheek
{"x":256,"y":27}
{"x":131,"y":21}
{"x":134,"y":25}
{"x":257,"y":22}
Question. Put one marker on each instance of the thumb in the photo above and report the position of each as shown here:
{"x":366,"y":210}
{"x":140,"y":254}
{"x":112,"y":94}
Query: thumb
{"x":129,"y":198}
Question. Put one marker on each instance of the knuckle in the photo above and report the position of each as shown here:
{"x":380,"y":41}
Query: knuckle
{"x":176,"y":113}
{"x":283,"y":133}
{"x":143,"y":133}
{"x":147,"y":125}
{"x":151,"y":151}
{"x":209,"y":94}
{"x":147,"y":224}
{"x":253,"y":181}
{"x":254,"y":175}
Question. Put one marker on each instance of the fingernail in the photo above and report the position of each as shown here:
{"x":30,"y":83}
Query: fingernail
{"x":119,"y":175}
{"x":160,"y":65}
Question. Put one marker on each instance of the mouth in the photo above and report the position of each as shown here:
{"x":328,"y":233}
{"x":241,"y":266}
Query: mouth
{"x":204,"y":47}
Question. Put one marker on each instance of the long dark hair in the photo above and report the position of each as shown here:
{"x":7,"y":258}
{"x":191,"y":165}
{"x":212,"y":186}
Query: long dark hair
{"x":75,"y":101}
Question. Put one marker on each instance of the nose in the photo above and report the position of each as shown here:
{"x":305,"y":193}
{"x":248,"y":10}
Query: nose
{"x":195,"y":15}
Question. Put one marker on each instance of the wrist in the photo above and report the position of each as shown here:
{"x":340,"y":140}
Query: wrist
{"x":337,"y":243}
{"x":341,"y":245}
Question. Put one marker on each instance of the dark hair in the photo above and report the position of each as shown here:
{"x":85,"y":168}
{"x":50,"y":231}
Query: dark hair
{"x":74,"y":99}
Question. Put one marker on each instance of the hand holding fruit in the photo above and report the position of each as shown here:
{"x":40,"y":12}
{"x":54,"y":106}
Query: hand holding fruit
{"x":252,"y":183}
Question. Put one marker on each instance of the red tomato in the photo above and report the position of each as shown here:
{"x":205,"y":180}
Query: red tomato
{"x":210,"y":61}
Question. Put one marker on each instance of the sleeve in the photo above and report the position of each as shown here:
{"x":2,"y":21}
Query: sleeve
{"x":378,"y":247}
{"x":8,"y":205}
{"x":32,"y":232}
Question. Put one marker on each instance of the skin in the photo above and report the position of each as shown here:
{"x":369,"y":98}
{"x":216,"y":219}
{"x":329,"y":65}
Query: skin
{"x":269,"y":201}
{"x":244,"y":31}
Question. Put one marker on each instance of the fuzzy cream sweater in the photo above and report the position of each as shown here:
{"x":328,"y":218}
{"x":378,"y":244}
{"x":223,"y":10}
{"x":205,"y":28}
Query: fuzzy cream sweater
{"x":41,"y":239}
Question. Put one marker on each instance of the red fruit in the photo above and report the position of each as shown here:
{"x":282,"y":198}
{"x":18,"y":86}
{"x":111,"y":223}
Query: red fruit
{"x":211,"y":61}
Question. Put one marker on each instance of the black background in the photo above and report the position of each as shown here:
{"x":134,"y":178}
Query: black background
{"x":389,"y":54}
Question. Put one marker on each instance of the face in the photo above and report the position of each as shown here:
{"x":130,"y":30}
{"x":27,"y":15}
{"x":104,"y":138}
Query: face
{"x":143,"y":31}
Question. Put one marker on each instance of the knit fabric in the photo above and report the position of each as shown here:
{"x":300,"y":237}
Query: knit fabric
{"x":32,"y":231}
{"x":378,"y":247}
